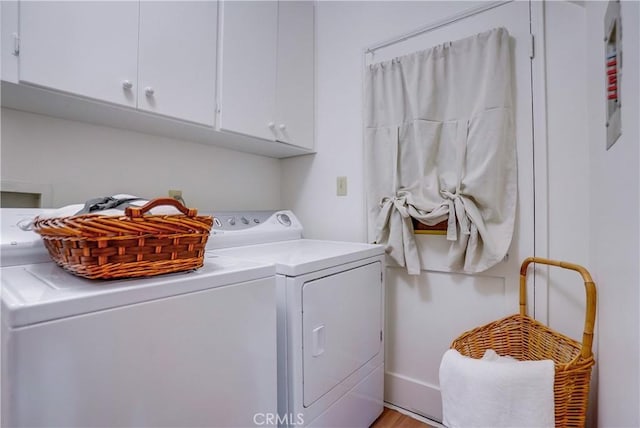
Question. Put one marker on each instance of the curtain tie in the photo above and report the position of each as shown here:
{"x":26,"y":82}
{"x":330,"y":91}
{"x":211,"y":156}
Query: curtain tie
{"x":457,"y":215}
{"x":394,"y":230}
{"x":387,"y":206}
{"x":399,"y":202}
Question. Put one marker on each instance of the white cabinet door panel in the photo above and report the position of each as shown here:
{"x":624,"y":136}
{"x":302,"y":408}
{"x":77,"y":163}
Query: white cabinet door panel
{"x":295,"y":73}
{"x":177,"y":60}
{"x":85,"y":48}
{"x":248,"y":72}
{"x":8,"y":32}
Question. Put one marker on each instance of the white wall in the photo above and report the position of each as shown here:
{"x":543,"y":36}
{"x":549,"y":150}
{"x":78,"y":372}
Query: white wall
{"x":567,"y":162}
{"x":82,"y":161}
{"x":568,"y":173}
{"x":615,"y":221}
{"x":344,"y":29}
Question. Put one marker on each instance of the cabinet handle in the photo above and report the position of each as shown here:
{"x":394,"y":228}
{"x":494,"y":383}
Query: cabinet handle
{"x":127,"y":85}
{"x":271,"y":125}
{"x":149,"y":91}
{"x":282,"y":127}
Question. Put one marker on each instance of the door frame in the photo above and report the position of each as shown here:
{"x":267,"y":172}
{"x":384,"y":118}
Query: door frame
{"x":540,"y":290}
{"x":537,"y":291}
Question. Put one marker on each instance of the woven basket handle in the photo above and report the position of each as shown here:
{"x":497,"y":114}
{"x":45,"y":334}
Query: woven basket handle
{"x":590,"y":288}
{"x":135,"y":212}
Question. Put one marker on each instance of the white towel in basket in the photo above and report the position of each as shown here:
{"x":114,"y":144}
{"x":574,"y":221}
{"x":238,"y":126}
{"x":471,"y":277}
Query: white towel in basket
{"x":496,"y":392}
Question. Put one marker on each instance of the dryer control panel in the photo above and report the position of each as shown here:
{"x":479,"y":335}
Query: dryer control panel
{"x":236,"y":228}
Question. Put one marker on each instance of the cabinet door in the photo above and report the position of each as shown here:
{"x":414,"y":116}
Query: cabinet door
{"x":8,"y":33}
{"x":295,"y":73}
{"x":177,"y":59}
{"x":248,"y":72}
{"x":85,"y":48}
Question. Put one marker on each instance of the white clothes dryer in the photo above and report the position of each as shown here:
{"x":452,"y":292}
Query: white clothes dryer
{"x":330,"y":317}
{"x":185,"y":349}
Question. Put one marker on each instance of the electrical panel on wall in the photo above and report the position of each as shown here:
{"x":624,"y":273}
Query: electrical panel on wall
{"x":613,"y":70}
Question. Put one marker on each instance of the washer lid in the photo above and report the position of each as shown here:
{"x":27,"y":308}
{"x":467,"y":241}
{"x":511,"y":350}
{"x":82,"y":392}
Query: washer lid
{"x":17,"y":246}
{"x":301,"y":256}
{"x":42,"y":292}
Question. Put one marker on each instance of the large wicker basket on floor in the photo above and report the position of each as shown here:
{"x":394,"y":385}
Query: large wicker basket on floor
{"x":133,"y":245}
{"x":529,"y":340}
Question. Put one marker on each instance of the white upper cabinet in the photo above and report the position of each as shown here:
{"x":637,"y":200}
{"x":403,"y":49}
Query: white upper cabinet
{"x":248,"y":81}
{"x":177,"y":59}
{"x":237,"y":74}
{"x":154,"y":55}
{"x":295,"y":73}
{"x":267,"y":72}
{"x":86,"y":48}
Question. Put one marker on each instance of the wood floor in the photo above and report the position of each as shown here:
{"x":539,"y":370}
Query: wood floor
{"x":393,"y":419}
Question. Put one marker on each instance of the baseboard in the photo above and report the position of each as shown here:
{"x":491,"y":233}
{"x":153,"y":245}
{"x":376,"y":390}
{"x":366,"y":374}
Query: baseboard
{"x":415,"y":416}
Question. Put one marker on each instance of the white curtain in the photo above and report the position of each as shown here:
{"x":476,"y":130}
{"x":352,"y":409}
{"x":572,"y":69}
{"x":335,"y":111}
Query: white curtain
{"x":440,"y":145}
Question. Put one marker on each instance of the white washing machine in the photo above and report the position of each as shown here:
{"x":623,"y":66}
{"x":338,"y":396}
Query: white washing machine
{"x":185,"y":349}
{"x":330,"y":317}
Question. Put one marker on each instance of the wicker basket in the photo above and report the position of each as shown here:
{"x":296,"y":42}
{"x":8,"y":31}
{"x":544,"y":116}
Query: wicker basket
{"x":134,"y":245}
{"x":526,"y":339}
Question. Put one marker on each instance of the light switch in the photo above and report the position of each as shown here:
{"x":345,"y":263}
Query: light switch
{"x":341,"y":186}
